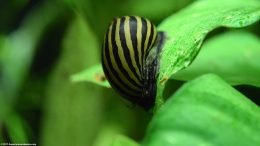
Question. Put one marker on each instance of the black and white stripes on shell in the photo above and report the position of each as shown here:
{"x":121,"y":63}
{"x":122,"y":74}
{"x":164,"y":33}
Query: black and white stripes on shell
{"x":130,"y":58}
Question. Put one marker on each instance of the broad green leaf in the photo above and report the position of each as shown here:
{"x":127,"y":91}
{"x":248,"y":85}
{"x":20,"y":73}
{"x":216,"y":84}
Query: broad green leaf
{"x":206,"y":111}
{"x":234,"y":56}
{"x":187,"y":29}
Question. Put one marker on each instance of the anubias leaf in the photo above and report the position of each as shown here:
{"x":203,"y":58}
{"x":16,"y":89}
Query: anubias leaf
{"x":187,"y":29}
{"x":206,"y":111}
{"x":234,"y":56}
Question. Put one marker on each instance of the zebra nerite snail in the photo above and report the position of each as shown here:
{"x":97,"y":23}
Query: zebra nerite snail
{"x":130,"y":58}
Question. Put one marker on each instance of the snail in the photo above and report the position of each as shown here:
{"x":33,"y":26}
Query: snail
{"x":130,"y":58}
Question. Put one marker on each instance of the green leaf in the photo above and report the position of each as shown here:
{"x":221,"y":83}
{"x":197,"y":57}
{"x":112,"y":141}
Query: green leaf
{"x":234,"y":56}
{"x":93,"y":74}
{"x":206,"y":111}
{"x":187,"y":29}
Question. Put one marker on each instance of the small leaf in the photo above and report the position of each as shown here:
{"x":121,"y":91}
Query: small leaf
{"x":93,"y":74}
{"x":234,"y":56}
{"x":206,"y":111}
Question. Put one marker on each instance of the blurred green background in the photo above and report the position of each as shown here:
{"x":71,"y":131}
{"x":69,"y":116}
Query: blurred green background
{"x":43,"y":43}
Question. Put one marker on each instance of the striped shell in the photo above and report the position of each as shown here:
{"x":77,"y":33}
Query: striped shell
{"x":130,"y":58}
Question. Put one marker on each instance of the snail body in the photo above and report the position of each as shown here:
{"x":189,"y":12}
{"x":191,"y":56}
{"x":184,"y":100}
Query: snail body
{"x":130,"y":58}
